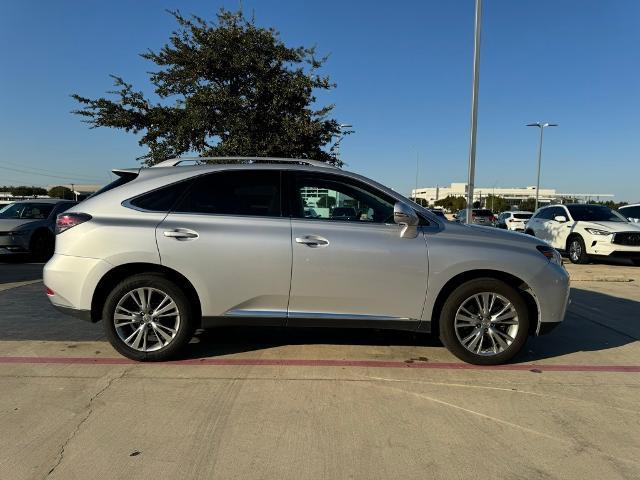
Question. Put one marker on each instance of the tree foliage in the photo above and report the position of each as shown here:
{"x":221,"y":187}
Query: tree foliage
{"x":61,"y":192}
{"x":24,"y":191}
{"x":528,"y":205}
{"x":452,"y":203}
{"x":496,"y":203}
{"x":224,"y":88}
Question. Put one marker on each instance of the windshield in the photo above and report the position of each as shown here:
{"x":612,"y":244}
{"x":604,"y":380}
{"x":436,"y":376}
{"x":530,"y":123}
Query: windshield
{"x":482,"y":213}
{"x":27,"y":211}
{"x":594,"y":213}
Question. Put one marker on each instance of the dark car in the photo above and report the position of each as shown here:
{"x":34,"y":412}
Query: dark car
{"x":344,"y":213}
{"x":438,"y":212}
{"x":479,"y":216}
{"x":27,"y":227}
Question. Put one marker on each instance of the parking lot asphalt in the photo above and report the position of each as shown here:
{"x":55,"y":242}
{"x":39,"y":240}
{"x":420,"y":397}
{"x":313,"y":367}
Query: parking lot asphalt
{"x":321,"y":403}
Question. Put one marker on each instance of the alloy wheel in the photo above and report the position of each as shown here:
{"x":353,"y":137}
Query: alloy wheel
{"x":575,"y":250}
{"x":146,"y":319}
{"x":486,"y":323}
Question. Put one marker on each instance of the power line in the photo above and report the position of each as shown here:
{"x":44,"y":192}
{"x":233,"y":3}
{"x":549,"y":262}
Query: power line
{"x":71,"y":177}
{"x":4,"y":162}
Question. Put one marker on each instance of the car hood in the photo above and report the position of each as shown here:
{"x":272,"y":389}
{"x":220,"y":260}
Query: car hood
{"x":493,"y":235}
{"x":612,"y":226}
{"x":9,"y":224}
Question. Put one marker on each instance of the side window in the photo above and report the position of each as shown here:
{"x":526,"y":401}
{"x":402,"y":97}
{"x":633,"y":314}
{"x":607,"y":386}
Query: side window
{"x":555,"y":211}
{"x":235,"y":192}
{"x":544,"y":214}
{"x":334,"y":198}
{"x":162,"y":199}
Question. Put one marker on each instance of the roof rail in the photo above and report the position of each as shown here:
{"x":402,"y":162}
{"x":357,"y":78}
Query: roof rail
{"x":174,"y":162}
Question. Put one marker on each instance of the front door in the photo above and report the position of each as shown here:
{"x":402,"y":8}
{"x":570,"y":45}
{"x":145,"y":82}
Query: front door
{"x":228,"y":237}
{"x":349,"y":261}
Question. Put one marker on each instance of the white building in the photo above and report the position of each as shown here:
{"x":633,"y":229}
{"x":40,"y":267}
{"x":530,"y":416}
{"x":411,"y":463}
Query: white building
{"x":512,"y":194}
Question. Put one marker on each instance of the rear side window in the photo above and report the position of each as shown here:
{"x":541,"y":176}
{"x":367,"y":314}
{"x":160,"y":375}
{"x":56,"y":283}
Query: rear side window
{"x":162,"y":199}
{"x":235,"y":192}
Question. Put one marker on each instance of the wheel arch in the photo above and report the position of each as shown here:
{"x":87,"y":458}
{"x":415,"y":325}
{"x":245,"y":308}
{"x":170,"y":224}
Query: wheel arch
{"x":119,"y":273}
{"x":520,"y":285}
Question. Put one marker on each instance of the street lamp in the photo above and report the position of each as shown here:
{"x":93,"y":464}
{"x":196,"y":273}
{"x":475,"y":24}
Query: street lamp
{"x":541,"y":126}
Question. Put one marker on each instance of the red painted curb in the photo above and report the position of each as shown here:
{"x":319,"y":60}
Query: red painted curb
{"x":324,"y":363}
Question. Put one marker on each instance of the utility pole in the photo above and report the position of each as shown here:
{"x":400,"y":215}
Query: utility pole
{"x":541,"y":126}
{"x":474,"y":112}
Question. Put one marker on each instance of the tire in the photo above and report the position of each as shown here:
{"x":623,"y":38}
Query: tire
{"x":41,"y":246}
{"x":478,"y":333}
{"x":162,"y":337}
{"x":636,"y":261}
{"x":576,"y":250}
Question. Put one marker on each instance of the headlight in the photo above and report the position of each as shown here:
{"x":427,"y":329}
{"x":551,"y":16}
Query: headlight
{"x":595,"y":231}
{"x":551,"y":253}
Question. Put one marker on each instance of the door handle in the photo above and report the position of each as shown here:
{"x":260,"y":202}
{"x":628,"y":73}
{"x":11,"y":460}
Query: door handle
{"x":312,"y":241}
{"x":181,"y":234}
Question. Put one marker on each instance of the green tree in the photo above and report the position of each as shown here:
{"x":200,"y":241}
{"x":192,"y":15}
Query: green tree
{"x":528,"y":205}
{"x":452,"y":203}
{"x":24,"y":191}
{"x":496,"y":204}
{"x":61,"y":192}
{"x":224,"y":88}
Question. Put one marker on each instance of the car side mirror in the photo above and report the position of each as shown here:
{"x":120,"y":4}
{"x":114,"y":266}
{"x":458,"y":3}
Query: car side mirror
{"x":407,"y":218}
{"x":560,"y":218}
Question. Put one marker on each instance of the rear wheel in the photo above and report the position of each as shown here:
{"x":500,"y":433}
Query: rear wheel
{"x":42,"y":246}
{"x":484,"y":322}
{"x":577,"y":250}
{"x":148,"y":318}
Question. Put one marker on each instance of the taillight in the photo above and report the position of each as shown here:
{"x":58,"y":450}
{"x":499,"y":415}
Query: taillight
{"x":65,"y":221}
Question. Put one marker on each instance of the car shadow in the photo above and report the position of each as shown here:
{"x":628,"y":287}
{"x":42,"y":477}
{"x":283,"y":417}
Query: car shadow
{"x":595,"y":322}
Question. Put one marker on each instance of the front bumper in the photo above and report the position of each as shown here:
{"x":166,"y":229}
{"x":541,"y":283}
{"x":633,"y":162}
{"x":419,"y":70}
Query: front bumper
{"x":608,"y":249}
{"x":14,"y":244}
{"x":550,"y":288}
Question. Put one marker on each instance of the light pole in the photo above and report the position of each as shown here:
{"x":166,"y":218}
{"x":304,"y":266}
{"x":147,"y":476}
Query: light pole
{"x":474,"y":112}
{"x":541,"y":126}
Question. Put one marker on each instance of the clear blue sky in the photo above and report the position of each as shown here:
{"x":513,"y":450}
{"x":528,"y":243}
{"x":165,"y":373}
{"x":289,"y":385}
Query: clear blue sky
{"x":403,"y":71}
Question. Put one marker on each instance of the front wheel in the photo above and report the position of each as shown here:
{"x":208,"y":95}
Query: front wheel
{"x":577,"y":251}
{"x":148,"y":318}
{"x":42,"y":246}
{"x":484,"y":322}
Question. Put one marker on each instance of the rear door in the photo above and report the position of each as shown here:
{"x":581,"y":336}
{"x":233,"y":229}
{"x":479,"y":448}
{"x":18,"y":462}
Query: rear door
{"x":227,"y":236}
{"x":352,"y":268}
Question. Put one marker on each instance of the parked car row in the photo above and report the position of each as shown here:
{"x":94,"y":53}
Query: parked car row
{"x":581,"y":231}
{"x":27,"y":227}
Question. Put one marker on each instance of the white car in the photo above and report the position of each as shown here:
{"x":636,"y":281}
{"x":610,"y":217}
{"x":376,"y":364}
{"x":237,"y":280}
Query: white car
{"x":584,"y":230}
{"x":514,"y":221}
{"x":632,"y":212}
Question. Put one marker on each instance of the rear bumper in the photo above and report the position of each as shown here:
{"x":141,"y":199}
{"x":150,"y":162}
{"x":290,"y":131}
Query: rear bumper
{"x":74,"y":312}
{"x":73,"y":281}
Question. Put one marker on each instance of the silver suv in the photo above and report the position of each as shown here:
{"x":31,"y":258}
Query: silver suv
{"x":166,"y":250}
